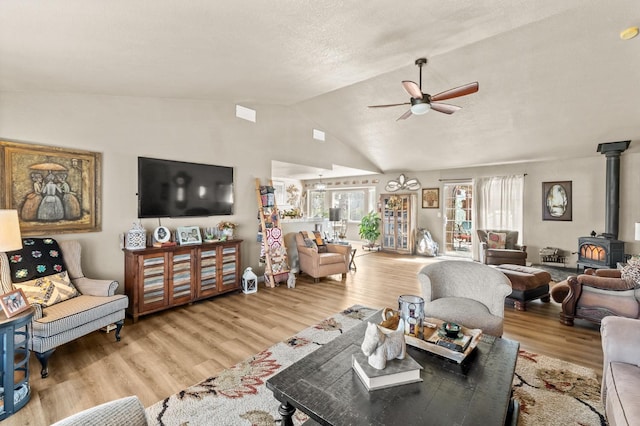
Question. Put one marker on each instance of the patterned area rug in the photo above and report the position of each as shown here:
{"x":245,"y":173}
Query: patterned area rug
{"x":550,"y":391}
{"x":555,"y":392}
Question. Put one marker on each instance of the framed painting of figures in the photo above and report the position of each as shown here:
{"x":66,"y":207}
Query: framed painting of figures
{"x":55,"y":190}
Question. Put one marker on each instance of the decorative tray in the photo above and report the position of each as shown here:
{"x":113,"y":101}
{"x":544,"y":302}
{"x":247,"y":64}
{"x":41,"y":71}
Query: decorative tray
{"x":469,"y":337}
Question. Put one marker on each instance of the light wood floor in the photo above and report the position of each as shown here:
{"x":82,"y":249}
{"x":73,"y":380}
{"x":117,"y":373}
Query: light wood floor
{"x":166,"y":352}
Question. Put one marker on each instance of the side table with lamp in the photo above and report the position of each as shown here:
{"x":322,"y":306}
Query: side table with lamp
{"x":635,"y":258}
{"x":14,"y":331}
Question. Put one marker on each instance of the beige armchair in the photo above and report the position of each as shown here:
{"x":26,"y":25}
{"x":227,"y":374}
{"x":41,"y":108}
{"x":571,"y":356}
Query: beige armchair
{"x":597,"y":294}
{"x":467,"y":293}
{"x":512,"y":253}
{"x":317,"y":265}
{"x":97,"y":306}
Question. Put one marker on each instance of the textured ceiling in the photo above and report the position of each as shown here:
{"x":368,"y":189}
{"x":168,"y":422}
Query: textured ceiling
{"x":555,"y":78}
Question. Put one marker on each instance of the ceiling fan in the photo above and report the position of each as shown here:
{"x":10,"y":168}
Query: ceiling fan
{"x":421,"y":103}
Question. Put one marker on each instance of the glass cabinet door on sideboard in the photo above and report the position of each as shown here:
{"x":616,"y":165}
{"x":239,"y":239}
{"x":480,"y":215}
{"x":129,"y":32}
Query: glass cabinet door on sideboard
{"x":208,"y":271}
{"x":153,"y":291}
{"x":230,"y":267}
{"x":182,"y":266}
{"x":158,"y":278}
{"x":398,"y":212}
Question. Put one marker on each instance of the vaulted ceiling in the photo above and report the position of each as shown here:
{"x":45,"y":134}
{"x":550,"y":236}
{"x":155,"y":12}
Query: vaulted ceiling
{"x":555,"y":77}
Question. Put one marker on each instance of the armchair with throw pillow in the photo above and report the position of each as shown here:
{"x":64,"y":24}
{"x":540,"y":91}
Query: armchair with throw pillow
{"x":318,"y":259}
{"x":67,"y":304}
{"x":501,"y":247}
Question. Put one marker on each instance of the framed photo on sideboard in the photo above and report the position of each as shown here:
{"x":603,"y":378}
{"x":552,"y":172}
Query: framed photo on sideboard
{"x":186,"y":235}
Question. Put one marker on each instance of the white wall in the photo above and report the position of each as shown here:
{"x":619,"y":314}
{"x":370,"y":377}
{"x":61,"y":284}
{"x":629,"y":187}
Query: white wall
{"x":123,"y":128}
{"x":588,"y":186}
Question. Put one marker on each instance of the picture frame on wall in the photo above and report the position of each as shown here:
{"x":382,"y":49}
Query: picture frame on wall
{"x":55,"y":190}
{"x":14,"y":302}
{"x":280,"y":193}
{"x":186,"y":235}
{"x":557,"y":201}
{"x":430,"y":198}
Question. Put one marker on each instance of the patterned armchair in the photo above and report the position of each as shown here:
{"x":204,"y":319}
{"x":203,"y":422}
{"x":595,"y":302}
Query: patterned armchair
{"x":94,"y":305}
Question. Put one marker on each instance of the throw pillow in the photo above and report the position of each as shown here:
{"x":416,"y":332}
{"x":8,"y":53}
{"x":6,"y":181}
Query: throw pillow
{"x":38,"y":258}
{"x":308,"y":240}
{"x":631,"y":275}
{"x":496,"y":240}
{"x":322,"y":247}
{"x":49,"y":290}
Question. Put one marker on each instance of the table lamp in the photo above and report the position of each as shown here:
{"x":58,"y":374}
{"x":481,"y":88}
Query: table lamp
{"x":9,"y":231}
{"x":334,"y":216}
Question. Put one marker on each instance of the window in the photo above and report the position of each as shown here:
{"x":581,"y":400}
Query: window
{"x":354,"y":203}
{"x":316,"y":204}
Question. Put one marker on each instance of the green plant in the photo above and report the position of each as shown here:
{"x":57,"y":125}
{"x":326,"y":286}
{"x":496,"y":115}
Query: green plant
{"x":370,"y":227}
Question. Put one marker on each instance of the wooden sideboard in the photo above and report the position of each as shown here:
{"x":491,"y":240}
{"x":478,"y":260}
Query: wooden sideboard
{"x":158,"y":278}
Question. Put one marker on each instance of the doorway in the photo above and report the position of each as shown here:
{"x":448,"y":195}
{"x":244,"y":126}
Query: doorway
{"x":458,"y":218}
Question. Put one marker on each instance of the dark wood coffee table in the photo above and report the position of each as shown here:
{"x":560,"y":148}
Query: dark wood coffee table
{"x":324,"y":386}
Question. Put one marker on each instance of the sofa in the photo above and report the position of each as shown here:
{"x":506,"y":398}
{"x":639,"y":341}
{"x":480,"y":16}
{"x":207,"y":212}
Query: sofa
{"x":498,"y":247}
{"x":621,"y":370}
{"x":93,"y":306}
{"x":596,"y":294}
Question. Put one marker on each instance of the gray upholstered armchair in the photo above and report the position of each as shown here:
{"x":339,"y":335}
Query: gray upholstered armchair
{"x":467,"y":293}
{"x":125,"y":411}
{"x":97,"y":306}
{"x":511,"y":253}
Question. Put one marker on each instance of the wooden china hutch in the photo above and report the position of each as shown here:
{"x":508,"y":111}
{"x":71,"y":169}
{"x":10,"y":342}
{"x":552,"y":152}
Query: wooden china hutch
{"x":399,"y":222}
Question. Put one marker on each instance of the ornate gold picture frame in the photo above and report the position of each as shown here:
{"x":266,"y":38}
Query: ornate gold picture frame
{"x":55,"y":190}
{"x":430,"y":198}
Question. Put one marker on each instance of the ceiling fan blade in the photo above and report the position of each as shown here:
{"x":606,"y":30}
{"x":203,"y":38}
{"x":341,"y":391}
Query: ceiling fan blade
{"x":389,"y":105}
{"x":412,"y":89}
{"x":405,"y":115}
{"x":446,"y":108}
{"x":467,"y":89}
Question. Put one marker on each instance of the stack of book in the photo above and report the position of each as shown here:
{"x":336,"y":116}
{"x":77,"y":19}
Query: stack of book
{"x":458,"y":344}
{"x":397,"y":372}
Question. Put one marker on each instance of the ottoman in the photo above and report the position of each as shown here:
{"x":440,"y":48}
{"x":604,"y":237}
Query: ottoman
{"x":527,"y":284}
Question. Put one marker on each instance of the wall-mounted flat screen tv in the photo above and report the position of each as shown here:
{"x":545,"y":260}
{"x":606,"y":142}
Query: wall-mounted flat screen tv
{"x":176,"y":189}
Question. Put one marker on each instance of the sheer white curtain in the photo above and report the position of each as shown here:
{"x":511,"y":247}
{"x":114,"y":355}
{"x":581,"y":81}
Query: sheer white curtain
{"x":499,"y":204}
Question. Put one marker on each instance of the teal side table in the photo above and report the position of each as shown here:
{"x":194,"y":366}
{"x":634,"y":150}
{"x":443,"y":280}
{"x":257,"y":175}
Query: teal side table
{"x":14,"y":368}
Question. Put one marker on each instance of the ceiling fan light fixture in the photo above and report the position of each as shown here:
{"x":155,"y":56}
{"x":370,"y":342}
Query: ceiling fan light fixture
{"x":629,"y":33}
{"x":420,"y":108}
{"x":320,"y":185}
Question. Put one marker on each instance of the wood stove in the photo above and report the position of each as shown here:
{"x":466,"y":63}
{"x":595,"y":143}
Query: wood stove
{"x":605,"y":250}
{"x":599,"y":252}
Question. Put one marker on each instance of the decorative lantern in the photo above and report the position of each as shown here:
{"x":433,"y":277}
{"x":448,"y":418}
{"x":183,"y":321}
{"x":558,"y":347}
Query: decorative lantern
{"x":136,"y":237}
{"x":249,"y":281}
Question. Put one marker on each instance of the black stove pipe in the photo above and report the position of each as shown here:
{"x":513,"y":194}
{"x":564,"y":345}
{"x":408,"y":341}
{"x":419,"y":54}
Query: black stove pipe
{"x":612,"y":151}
